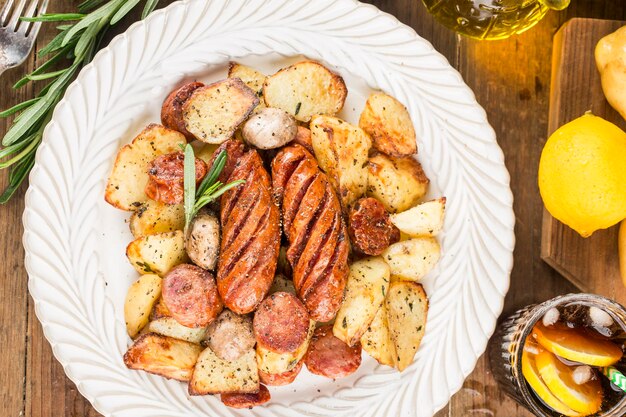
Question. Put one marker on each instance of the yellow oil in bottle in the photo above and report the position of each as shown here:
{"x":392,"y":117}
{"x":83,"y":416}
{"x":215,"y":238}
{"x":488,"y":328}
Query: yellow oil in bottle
{"x":491,"y":19}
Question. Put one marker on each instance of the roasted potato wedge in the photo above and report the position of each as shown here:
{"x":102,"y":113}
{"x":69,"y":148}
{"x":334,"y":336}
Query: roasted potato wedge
{"x":414,"y":258}
{"x":389,"y":124}
{"x":160,"y":310}
{"x":277,"y":363}
{"x":304,"y":90}
{"x":398,"y":183}
{"x":128,"y":179}
{"x":153,"y":217}
{"x":425,"y":219}
{"x":342,"y":150}
{"x":365,"y":293}
{"x":213,"y":375}
{"x":376,"y":340}
{"x":161,"y":355}
{"x":140,"y":299}
{"x":250,"y":77}
{"x":168,"y":326}
{"x":214,"y":112}
{"x":407,"y":309}
{"x":157,"y":253}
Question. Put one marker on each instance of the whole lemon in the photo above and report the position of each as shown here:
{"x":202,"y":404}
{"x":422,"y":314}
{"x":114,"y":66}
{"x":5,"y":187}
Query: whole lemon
{"x":582,"y":174}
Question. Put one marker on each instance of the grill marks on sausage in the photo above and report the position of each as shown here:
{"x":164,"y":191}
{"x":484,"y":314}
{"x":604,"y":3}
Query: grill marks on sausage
{"x":251,"y":236}
{"x":318,"y":251}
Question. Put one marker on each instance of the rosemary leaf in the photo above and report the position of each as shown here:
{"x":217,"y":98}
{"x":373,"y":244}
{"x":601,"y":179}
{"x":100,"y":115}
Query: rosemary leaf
{"x":43,"y":67}
{"x":18,"y":107}
{"x":214,"y":172}
{"x":123,"y":11}
{"x":45,"y":75}
{"x":18,"y":173}
{"x":149,"y":8}
{"x":54,"y":17}
{"x":189,"y":177}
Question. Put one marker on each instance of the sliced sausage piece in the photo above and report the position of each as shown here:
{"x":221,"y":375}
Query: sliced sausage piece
{"x":235,"y":150}
{"x":190,"y":294}
{"x":303,"y":138}
{"x":203,"y":240}
{"x":172,"y":110}
{"x":230,"y":335}
{"x":166,"y":177}
{"x":281,"y":379}
{"x":281,"y":323}
{"x":247,"y":400}
{"x":329,"y":356}
{"x":370,"y":229}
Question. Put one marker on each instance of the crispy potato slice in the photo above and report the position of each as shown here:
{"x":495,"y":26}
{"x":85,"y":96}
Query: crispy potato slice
{"x":140,"y":298}
{"x":389,"y":124}
{"x":251,"y":77}
{"x":365,"y":293}
{"x":278,"y":363}
{"x":157,"y":253}
{"x":398,"y":183}
{"x":342,"y":150}
{"x":161,"y":355}
{"x":160,"y":310}
{"x":214,"y":112}
{"x":168,"y":326}
{"x":425,"y":219}
{"x":154,"y":217}
{"x":305,"y":89}
{"x":376,"y":341}
{"x":213,"y":375}
{"x":414,"y":258}
{"x":407,"y":309}
{"x":128,"y":179}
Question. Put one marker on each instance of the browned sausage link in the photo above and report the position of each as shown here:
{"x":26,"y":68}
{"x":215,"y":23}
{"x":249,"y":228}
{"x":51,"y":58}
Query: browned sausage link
{"x":190,"y":294}
{"x":303,"y":138}
{"x":329,"y":356}
{"x":318,"y":247}
{"x":172,"y":110}
{"x":250,"y":237}
{"x":247,"y":400}
{"x":166,"y":177}
{"x":281,"y":379}
{"x":371,"y":231}
{"x":281,"y":323}
{"x":235,"y":149}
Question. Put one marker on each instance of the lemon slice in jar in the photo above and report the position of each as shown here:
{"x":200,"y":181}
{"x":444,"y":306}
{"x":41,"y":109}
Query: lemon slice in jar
{"x":531,"y":373}
{"x":585,"y":399}
{"x":577,"y":345}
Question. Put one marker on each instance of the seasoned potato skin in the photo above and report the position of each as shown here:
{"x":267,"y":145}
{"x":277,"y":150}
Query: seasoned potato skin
{"x":213,"y":375}
{"x":284,"y":378}
{"x":164,"y":356}
{"x":247,"y":400}
{"x":371,"y":231}
{"x":172,"y":109}
{"x":140,"y":299}
{"x":389,"y":124}
{"x":281,"y":323}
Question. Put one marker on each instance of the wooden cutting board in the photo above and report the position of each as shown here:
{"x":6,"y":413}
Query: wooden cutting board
{"x":591,"y":264}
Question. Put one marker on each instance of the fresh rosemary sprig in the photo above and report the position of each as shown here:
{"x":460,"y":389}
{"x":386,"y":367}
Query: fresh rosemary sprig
{"x":78,"y":42}
{"x":209,"y":189}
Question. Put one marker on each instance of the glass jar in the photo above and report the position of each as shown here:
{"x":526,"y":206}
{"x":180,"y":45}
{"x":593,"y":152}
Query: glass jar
{"x":506,"y":346}
{"x":491,"y":19}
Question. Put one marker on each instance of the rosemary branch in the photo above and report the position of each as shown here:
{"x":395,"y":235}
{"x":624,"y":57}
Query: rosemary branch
{"x":77,"y":42}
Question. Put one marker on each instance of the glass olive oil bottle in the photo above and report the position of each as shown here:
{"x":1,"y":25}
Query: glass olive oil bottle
{"x":491,"y":19}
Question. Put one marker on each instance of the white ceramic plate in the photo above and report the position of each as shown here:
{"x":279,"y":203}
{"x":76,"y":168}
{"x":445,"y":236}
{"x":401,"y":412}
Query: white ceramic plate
{"x":75,"y":242}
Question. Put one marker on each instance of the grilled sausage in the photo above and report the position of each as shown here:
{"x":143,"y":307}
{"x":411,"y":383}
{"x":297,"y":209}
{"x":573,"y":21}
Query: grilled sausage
{"x":172,"y":110}
{"x":190,"y":295}
{"x":281,"y":379}
{"x":230,"y":335}
{"x":329,"y":356}
{"x":246,"y":400}
{"x":303,"y":138}
{"x":250,"y":237}
{"x":313,"y":225}
{"x":166,"y":177}
{"x":281,"y":323}
{"x":235,"y":150}
{"x":370,"y":229}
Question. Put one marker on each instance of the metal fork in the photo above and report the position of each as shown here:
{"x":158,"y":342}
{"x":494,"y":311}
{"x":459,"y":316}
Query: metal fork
{"x":16,"y":37}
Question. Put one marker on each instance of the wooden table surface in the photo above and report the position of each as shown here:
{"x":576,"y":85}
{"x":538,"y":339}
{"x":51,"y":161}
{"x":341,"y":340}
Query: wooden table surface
{"x":511,"y":80}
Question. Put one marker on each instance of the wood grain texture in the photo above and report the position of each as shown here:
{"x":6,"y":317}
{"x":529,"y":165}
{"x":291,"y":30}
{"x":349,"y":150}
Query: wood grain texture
{"x":511,"y":80}
{"x":591,"y":264}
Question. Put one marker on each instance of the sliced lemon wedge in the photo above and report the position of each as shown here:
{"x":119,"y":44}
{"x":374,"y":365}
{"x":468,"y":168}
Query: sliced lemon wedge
{"x":531,"y":373}
{"x":585,"y":399}
{"x":577,"y":345}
